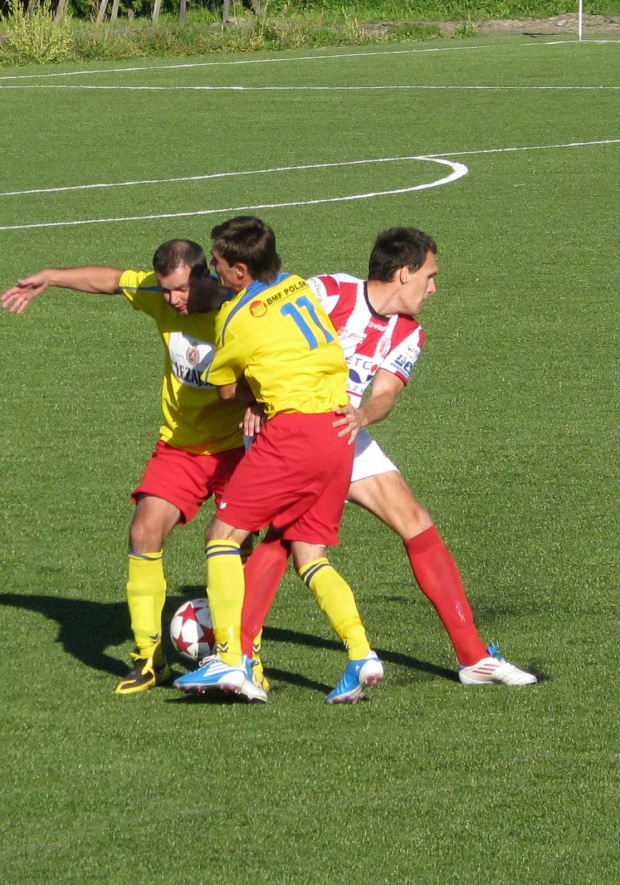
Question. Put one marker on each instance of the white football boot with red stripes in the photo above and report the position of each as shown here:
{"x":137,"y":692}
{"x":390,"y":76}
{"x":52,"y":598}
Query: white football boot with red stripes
{"x":495,"y":669}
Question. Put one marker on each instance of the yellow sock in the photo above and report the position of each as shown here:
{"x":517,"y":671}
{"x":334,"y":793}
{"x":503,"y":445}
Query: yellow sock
{"x":226,"y":589}
{"x":336,"y":601}
{"x":257,"y":669}
{"x":146,"y":596}
{"x":257,"y":644}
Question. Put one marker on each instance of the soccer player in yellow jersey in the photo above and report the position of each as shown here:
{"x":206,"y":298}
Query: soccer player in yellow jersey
{"x":199,"y":444}
{"x":274,"y":337}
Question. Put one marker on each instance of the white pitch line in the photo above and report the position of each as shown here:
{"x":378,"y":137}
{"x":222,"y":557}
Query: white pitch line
{"x":409,"y":86}
{"x":212,"y":175}
{"x":458,"y":171}
{"x":536,"y":147}
{"x":292,"y":59}
{"x":305,"y":166}
{"x":580,"y":43}
{"x":245,"y":61}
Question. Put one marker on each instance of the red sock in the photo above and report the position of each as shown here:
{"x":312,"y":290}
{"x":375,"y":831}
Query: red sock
{"x":263,"y":572}
{"x":438,"y":576}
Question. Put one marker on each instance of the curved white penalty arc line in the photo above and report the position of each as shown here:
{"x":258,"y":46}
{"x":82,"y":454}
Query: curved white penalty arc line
{"x":458,"y":171}
{"x":210,"y":176}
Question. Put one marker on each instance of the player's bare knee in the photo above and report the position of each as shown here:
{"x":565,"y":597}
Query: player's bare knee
{"x":404,"y":515}
{"x":144,"y":536}
{"x":303,"y":553}
{"x":418,"y":520}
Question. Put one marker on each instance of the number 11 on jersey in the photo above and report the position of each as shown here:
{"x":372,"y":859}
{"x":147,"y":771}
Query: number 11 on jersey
{"x":294,"y":311}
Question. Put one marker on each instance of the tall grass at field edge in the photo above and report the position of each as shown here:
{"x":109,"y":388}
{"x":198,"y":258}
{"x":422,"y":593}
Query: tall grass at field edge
{"x":39,"y":38}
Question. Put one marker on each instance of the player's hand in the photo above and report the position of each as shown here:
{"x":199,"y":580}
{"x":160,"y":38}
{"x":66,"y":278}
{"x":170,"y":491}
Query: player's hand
{"x":351,"y":422}
{"x":253,"y":420}
{"x":17,"y":298}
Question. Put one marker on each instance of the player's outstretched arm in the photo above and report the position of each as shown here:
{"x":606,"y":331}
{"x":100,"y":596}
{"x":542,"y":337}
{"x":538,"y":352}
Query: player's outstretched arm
{"x":18,"y":297}
{"x":94,"y":278}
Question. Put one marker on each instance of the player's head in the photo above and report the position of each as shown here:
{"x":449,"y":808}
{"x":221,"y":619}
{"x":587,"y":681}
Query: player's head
{"x":173,"y":263}
{"x":244,"y":247}
{"x":173,"y":254}
{"x":399,"y":247}
{"x":402,"y":268}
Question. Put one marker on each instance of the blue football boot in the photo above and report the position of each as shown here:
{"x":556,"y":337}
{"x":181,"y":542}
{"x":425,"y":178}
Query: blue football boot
{"x":251,"y":690}
{"x":213,"y":673}
{"x":357,"y":676}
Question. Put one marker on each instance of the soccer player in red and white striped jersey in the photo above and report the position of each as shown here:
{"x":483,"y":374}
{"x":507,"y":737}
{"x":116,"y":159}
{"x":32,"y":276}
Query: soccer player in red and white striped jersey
{"x":371,"y":341}
{"x":382,"y":340}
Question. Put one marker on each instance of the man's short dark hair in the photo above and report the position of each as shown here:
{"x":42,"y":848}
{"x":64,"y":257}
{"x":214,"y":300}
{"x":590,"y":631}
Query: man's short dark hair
{"x":399,"y":247}
{"x":205,"y":292}
{"x":173,"y":254}
{"x":248,"y":240}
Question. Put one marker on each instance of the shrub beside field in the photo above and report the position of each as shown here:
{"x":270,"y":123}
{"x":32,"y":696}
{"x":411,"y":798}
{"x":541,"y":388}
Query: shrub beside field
{"x":50,"y":32}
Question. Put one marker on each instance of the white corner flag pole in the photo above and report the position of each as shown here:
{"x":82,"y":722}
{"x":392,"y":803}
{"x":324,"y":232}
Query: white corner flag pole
{"x":580,"y":22}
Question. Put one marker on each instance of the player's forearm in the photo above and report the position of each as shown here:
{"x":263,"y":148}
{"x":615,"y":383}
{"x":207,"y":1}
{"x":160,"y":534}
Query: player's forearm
{"x":376,"y":409}
{"x":227,"y":392}
{"x":244,"y":393}
{"x":93,"y":278}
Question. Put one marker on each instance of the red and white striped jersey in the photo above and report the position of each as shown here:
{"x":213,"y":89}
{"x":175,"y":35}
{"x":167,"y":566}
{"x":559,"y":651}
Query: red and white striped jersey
{"x":370,"y":341}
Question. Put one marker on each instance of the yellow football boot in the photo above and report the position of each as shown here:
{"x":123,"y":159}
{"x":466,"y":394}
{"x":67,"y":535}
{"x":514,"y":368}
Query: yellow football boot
{"x":144,"y":674}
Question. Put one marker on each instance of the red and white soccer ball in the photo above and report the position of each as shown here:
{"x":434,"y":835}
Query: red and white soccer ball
{"x":191,"y":629}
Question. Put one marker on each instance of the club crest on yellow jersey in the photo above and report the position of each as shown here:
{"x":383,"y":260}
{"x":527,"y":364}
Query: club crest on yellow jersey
{"x":258,"y":308}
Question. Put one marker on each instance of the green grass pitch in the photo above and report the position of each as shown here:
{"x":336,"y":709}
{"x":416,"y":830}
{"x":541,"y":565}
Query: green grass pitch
{"x":508,"y":434}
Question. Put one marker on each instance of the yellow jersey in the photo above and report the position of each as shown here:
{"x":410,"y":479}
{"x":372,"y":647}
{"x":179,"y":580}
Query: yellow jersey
{"x":279,"y":337}
{"x":195,"y":419}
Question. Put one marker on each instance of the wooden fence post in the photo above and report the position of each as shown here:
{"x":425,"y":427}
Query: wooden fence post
{"x":226,"y":9}
{"x":102,"y":10}
{"x":60,"y":10}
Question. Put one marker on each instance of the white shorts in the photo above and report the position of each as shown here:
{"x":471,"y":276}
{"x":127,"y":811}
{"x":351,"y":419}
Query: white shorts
{"x":370,"y":459}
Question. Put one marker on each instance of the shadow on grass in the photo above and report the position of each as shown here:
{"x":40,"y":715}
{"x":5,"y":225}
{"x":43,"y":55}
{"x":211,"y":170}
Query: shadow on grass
{"x":278,"y":634}
{"x":87,"y":629}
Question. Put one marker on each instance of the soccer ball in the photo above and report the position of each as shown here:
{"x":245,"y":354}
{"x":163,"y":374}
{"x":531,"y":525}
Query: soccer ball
{"x":191,"y":629}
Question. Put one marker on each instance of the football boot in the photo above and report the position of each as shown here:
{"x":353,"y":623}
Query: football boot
{"x":144,"y":674}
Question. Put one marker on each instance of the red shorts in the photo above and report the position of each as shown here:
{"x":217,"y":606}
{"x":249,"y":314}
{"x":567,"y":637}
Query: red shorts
{"x":186,"y":480}
{"x":295,"y":477}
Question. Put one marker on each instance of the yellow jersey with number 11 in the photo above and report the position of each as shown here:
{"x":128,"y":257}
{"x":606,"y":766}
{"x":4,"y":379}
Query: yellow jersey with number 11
{"x":279,"y":337}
